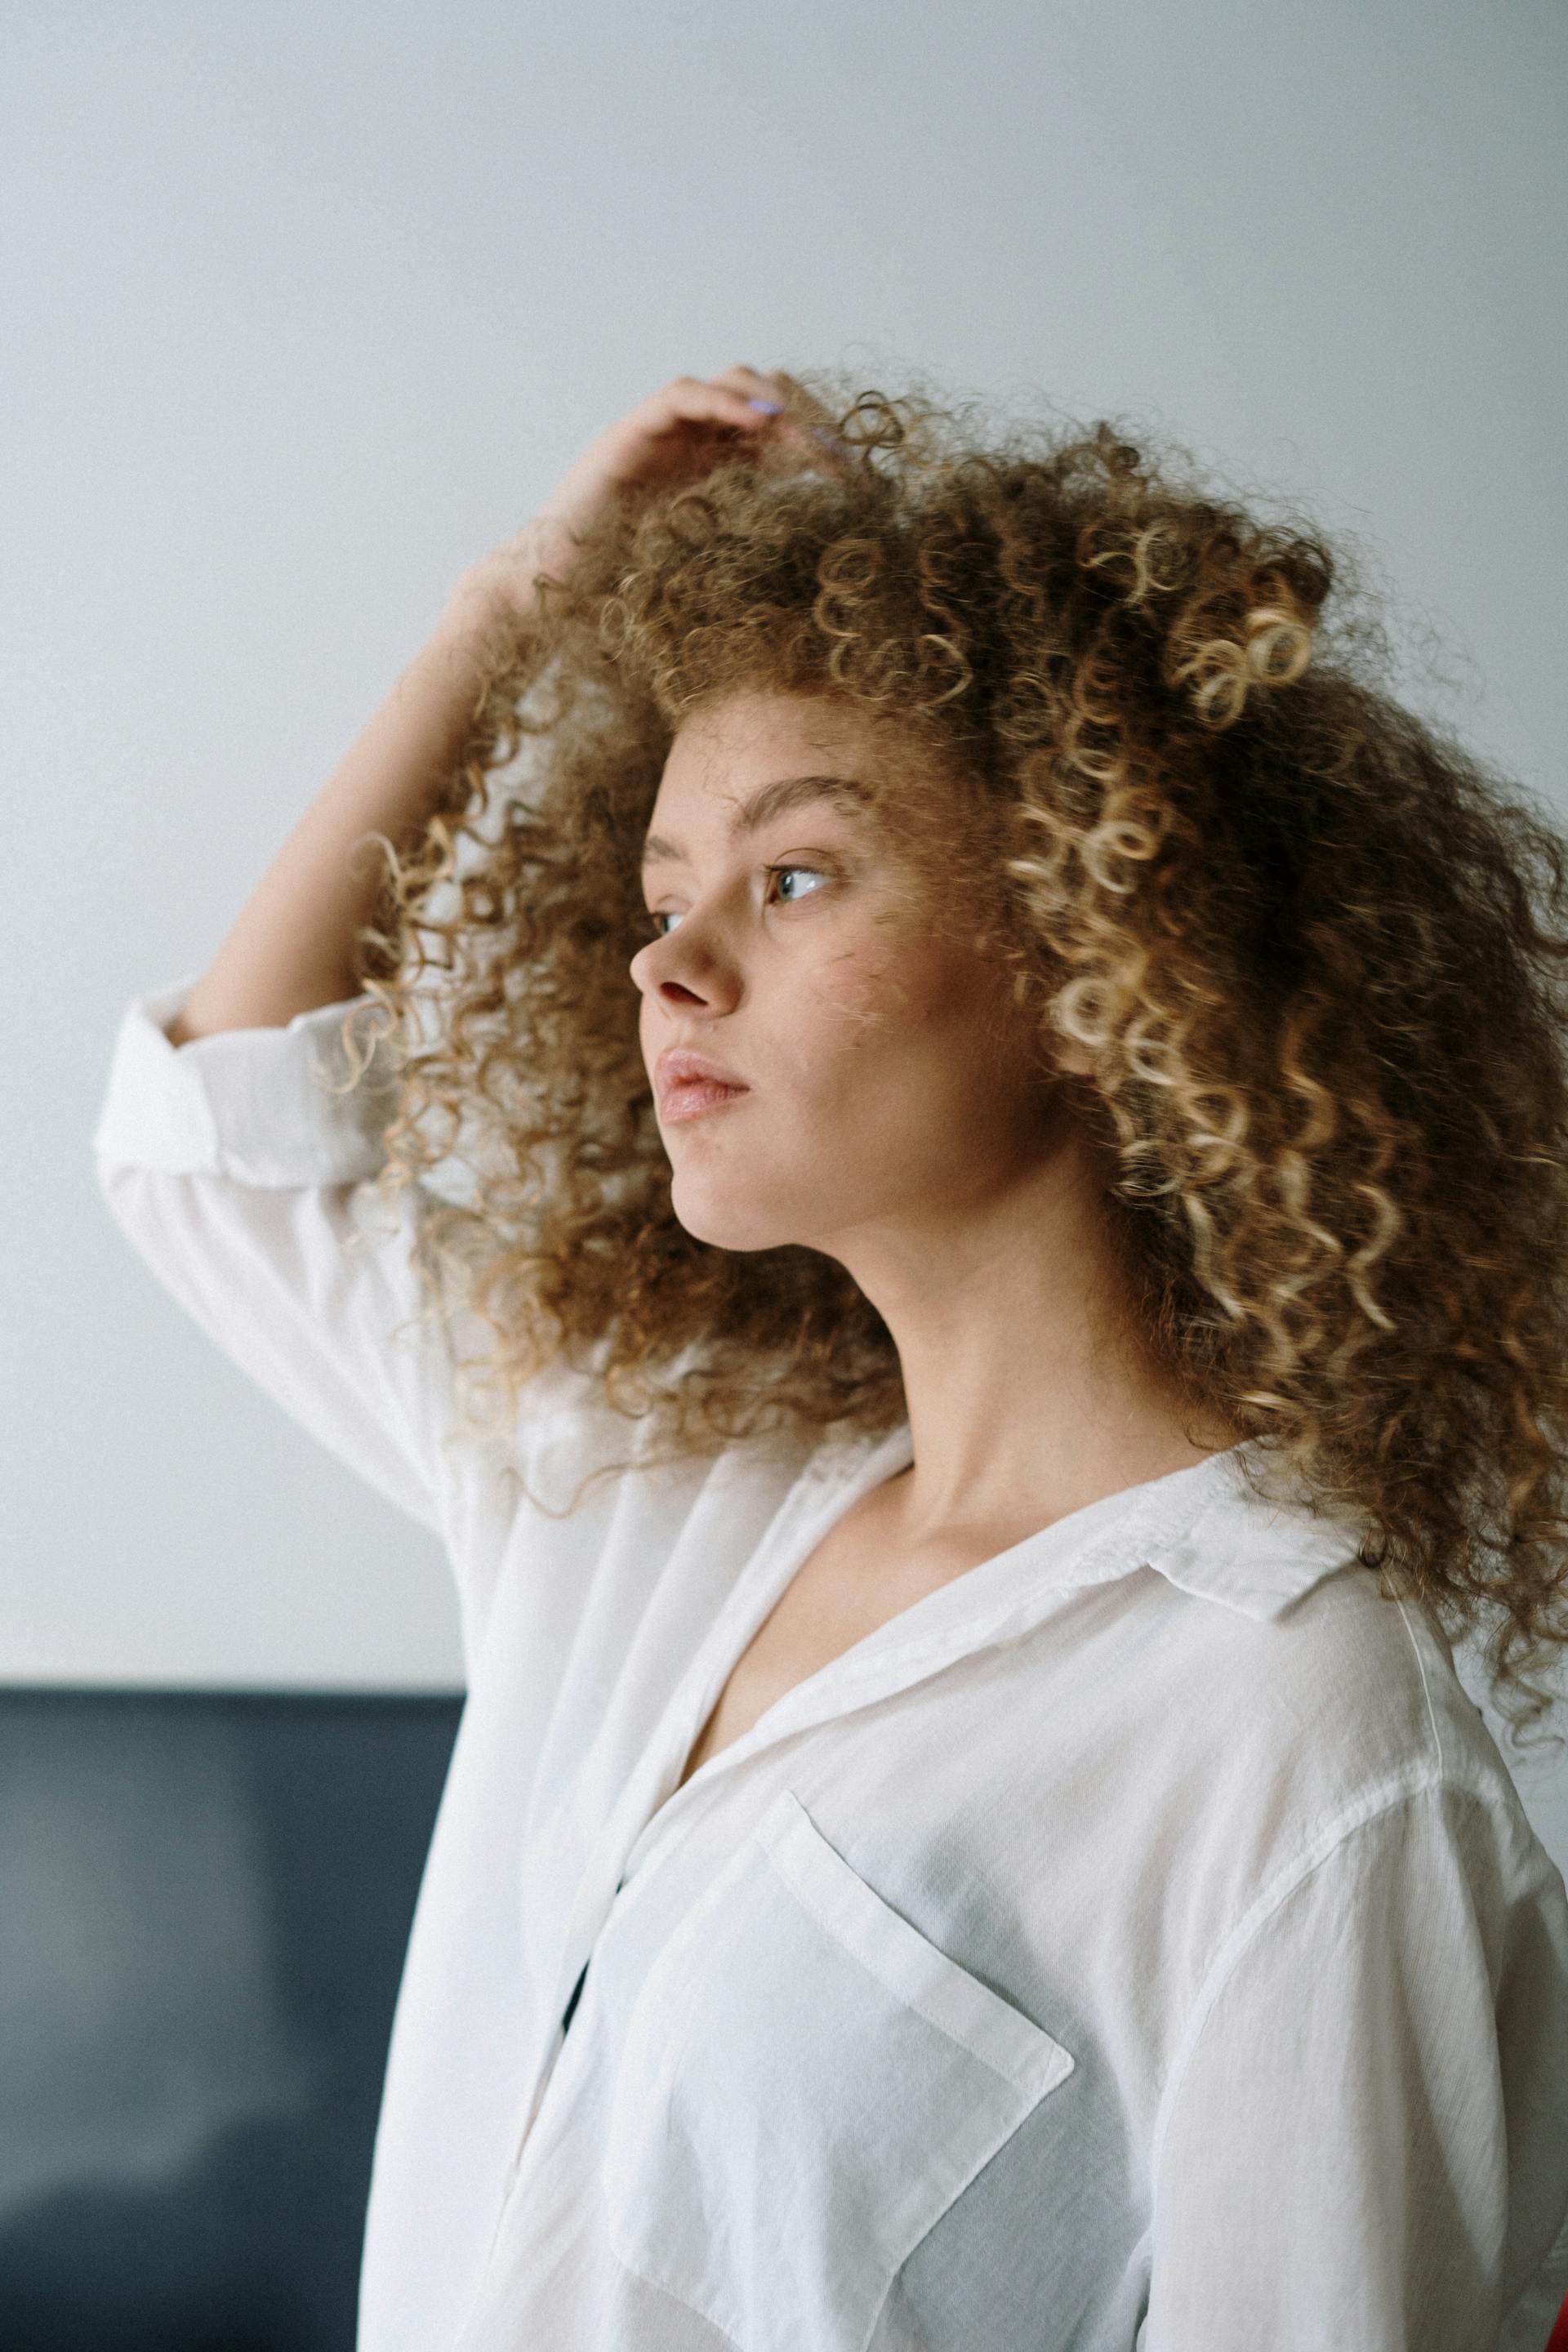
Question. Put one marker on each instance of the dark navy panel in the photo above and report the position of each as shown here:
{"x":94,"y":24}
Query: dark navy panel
{"x":206,"y":1899}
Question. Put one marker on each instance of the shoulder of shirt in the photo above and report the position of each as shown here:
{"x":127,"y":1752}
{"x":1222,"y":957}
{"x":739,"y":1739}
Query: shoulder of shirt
{"x":1362,"y":1676}
{"x":1324,"y":1712}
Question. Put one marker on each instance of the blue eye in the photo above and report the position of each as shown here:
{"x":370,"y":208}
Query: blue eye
{"x":661,"y":914}
{"x":797,"y":870}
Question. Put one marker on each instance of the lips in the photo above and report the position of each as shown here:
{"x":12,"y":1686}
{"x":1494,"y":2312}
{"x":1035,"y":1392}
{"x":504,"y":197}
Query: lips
{"x":690,"y":1082}
{"x":693,"y":1096}
{"x":681,"y":1065}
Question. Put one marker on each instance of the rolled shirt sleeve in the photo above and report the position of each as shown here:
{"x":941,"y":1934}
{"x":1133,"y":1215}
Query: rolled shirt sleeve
{"x":1359,"y":2147}
{"x":241,"y":1178}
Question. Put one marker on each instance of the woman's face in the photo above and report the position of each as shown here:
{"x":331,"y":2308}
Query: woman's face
{"x":885,"y":1075}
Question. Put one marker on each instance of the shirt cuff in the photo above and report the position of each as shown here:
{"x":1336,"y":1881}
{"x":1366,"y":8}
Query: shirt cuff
{"x":250,"y":1104}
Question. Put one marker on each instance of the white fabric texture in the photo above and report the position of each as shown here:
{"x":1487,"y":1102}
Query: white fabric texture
{"x":1136,"y":1943}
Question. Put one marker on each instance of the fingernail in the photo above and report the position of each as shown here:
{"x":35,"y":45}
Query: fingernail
{"x":768,"y":407}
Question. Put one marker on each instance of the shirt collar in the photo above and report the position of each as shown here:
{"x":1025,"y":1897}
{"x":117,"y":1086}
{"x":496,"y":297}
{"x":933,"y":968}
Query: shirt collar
{"x":1254,"y":1551}
{"x":1231,"y":1529}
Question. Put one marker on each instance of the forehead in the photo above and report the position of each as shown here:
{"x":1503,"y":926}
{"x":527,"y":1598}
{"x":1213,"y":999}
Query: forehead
{"x":728,"y":745}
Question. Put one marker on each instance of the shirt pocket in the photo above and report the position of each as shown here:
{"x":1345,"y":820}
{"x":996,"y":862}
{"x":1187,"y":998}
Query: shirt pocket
{"x":805,"y":2085}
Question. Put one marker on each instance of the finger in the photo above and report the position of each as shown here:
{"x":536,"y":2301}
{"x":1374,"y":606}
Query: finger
{"x":805,"y":403}
{"x":805,"y":419}
{"x":750,"y":382}
{"x":691,"y":401}
{"x":797,"y":407}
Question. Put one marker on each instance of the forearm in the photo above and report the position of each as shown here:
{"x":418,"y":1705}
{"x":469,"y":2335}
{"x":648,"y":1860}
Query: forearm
{"x":292,"y":946}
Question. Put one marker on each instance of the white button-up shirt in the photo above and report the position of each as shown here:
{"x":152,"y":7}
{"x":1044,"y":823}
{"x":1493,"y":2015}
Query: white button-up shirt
{"x":1137,"y":1942}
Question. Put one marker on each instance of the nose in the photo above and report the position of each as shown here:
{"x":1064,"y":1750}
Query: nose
{"x":683,"y":969}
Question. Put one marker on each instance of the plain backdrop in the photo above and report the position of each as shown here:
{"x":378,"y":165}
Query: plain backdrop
{"x":307,"y":305}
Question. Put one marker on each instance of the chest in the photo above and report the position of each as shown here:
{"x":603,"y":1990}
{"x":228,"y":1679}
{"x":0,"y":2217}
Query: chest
{"x":857,"y":1578}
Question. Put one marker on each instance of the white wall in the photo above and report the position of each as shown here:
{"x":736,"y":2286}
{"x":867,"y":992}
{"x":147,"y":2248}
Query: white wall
{"x":305,"y":305}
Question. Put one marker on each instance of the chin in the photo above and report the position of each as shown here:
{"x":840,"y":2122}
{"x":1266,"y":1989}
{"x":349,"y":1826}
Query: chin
{"x":725,"y":1219}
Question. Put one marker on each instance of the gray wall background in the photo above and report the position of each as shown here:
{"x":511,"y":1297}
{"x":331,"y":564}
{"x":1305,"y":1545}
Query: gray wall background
{"x":306,"y":306}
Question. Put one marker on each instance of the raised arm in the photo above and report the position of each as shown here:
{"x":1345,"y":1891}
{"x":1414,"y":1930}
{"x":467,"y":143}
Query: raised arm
{"x":292,"y":948}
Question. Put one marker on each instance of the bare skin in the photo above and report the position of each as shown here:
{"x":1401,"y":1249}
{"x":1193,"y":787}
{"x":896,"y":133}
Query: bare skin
{"x":957,"y":1190}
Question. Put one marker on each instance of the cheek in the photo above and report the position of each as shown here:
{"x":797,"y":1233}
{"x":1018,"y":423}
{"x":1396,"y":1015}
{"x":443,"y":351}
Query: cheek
{"x":914,"y":1033}
{"x":857,"y":1005}
{"x":871,"y":1035}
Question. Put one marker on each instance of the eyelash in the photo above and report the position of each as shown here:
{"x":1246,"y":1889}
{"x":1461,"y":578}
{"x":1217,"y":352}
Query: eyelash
{"x":791,"y":865}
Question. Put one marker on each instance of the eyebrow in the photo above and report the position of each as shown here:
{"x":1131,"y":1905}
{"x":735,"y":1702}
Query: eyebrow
{"x":768,"y":802}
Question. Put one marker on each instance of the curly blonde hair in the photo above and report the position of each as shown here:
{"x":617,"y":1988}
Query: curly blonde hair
{"x":1310,"y":945}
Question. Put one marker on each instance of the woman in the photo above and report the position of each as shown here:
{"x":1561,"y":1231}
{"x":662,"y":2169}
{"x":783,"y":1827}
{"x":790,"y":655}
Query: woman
{"x":1005,"y":1115}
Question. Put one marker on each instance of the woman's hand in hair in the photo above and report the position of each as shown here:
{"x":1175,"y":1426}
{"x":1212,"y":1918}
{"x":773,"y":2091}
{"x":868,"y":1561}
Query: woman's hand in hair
{"x":674,"y":435}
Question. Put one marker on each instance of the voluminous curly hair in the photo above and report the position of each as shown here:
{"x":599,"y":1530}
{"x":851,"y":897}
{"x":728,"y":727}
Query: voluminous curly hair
{"x":1312,"y":946}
